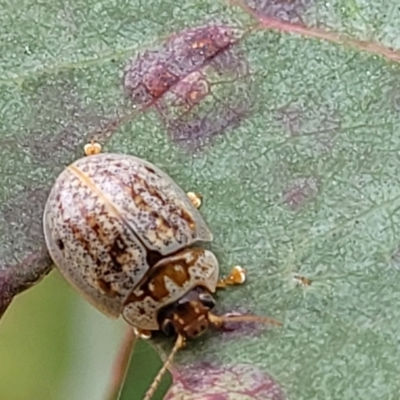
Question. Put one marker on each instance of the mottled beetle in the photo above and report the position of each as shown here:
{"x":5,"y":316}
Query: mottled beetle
{"x":122,"y":232}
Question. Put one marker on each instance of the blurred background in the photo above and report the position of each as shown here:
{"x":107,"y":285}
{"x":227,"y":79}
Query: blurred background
{"x":53,"y":345}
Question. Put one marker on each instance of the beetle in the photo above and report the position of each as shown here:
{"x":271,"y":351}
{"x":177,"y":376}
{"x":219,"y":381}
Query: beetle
{"x":126,"y":237}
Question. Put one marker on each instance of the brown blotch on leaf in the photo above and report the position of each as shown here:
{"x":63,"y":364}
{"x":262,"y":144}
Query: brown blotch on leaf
{"x":300,"y":192}
{"x":191,"y":90}
{"x":290,"y":11}
{"x":211,"y":381}
{"x":149,"y":76}
{"x":198,"y":82}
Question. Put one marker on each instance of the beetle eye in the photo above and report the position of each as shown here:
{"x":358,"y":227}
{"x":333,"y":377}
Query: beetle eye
{"x":168,"y":327}
{"x":207,"y":300}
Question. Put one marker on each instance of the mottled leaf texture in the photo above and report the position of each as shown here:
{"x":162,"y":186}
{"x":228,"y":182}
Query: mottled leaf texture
{"x":223,"y":382}
{"x":284,"y":114}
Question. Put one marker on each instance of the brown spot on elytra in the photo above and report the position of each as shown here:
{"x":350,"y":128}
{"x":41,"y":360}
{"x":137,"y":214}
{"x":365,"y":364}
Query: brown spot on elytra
{"x":149,"y":169}
{"x":141,"y":310}
{"x":198,"y":82}
{"x":60,"y":244}
{"x":211,"y":381}
{"x":118,"y":254}
{"x":92,"y":222}
{"x":106,"y":287}
{"x":291,"y":11}
{"x":152,"y":191}
{"x":116,"y":249}
{"x":78,"y":236}
{"x":300,"y":191}
{"x":188,"y":218}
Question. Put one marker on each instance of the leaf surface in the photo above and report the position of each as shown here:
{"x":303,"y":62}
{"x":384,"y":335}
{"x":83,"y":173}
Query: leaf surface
{"x":290,"y":132}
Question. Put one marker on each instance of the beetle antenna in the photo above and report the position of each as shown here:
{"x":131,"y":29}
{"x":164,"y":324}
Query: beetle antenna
{"x":219,"y":321}
{"x":180,"y":343}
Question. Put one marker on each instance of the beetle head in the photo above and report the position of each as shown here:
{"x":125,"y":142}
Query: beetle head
{"x":189,"y":315}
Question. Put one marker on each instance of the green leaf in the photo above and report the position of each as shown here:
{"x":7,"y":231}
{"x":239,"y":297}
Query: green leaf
{"x":291,"y":137}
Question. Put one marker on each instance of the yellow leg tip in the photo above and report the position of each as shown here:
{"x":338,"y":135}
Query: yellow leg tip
{"x":92,"y":148}
{"x":195,"y":198}
{"x":142,"y":334}
{"x":236,"y":277}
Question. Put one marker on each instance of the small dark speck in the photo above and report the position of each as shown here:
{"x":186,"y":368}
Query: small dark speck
{"x":151,"y":170}
{"x":60,"y":244}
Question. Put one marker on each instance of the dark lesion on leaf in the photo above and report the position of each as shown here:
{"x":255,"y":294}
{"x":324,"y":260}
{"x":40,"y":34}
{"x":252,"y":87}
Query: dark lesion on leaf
{"x":193,"y":82}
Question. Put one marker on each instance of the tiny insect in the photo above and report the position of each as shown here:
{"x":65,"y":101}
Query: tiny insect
{"x":303,"y":280}
{"x":126,"y":237}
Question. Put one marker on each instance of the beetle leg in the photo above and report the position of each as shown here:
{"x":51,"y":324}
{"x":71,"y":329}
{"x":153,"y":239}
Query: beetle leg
{"x":92,"y":148}
{"x":142,"y":333}
{"x":236,"y":277}
{"x":195,"y":198}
